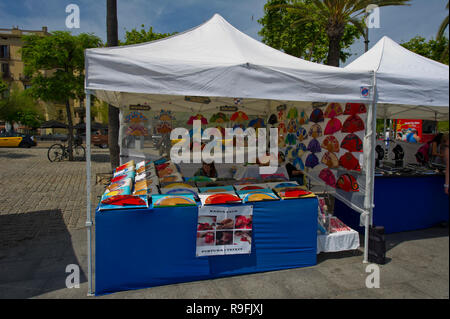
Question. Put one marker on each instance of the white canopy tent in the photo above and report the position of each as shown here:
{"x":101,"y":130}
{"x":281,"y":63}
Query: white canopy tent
{"x":409,"y":86}
{"x":218,"y":61}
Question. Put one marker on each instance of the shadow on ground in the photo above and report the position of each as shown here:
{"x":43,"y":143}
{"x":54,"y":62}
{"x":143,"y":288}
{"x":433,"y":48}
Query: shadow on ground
{"x":35,"y":249}
{"x":392,"y":240}
{"x":100,"y":158}
{"x":13,"y":155}
{"x":395,"y":239}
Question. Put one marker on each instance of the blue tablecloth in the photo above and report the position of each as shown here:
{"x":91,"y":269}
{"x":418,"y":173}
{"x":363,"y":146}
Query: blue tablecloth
{"x":145,"y":248}
{"x":403,"y":204}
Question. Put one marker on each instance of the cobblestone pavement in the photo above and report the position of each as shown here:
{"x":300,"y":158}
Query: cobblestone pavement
{"x":42,"y":216}
{"x":30,"y":182}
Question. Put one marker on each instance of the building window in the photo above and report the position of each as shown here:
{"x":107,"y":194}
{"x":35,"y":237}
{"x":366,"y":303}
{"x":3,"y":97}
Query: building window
{"x":5,"y":70}
{"x":4,"y":52}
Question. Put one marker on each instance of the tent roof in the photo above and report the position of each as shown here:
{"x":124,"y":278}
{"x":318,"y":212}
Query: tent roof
{"x":216,"y":60}
{"x":406,"y":79}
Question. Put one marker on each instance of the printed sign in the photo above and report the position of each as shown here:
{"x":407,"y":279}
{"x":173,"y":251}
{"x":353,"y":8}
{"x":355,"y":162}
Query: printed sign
{"x":365,"y":92}
{"x":198,"y":99}
{"x":139,"y":107}
{"x":228,"y":108}
{"x":224,"y":230}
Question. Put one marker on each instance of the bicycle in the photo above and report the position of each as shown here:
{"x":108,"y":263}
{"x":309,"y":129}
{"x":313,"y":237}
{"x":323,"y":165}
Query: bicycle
{"x":59,"y":152}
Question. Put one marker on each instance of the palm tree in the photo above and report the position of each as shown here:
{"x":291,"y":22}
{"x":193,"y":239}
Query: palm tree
{"x":113,"y":112}
{"x":440,"y":34}
{"x":334,"y":16}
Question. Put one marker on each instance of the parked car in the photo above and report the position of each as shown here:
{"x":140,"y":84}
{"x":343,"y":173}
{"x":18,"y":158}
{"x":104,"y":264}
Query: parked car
{"x":13,"y":139}
{"x":100,"y":139}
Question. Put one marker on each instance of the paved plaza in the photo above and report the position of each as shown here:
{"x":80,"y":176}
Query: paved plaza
{"x":42,"y":216}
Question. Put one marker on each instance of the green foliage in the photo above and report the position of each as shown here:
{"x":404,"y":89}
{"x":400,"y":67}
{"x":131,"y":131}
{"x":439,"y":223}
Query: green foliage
{"x":443,"y":127}
{"x":282,"y":29}
{"x":432,"y":49}
{"x":20,"y":107}
{"x":134,"y":36}
{"x":3,"y":86}
{"x":317,"y":23}
{"x":62,"y":56}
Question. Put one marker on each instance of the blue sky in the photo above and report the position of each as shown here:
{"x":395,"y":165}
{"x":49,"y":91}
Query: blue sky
{"x":423,"y":17}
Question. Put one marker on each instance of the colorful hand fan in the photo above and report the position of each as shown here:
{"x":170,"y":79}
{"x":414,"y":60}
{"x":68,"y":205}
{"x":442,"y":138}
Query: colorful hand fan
{"x":353,"y":124}
{"x":349,"y":162}
{"x":328,"y":177}
{"x":355,"y":108}
{"x":291,"y":139}
{"x":135,"y":117}
{"x":331,"y":144}
{"x":282,"y":128}
{"x":124,"y":166}
{"x":302,"y":134}
{"x":333,"y":110}
{"x":239,"y":116}
{"x":257,"y":123}
{"x":291,"y":193}
{"x":136,"y":130}
{"x":314,"y":146}
{"x":352,"y":143}
{"x":298,"y":163}
{"x":171,"y":200}
{"x":292,"y":126}
{"x":218,"y":118}
{"x":316,"y":116}
{"x":303,"y":119}
{"x":221,"y":198}
{"x":141,"y":185}
{"x":312,"y":161}
{"x":315,"y":131}
{"x":300,"y":149}
{"x":124,"y":200}
{"x":334,"y":125}
{"x":197,"y":117}
{"x":293,"y":113}
{"x":330,"y":160}
{"x":259,"y":196}
{"x":347,"y":183}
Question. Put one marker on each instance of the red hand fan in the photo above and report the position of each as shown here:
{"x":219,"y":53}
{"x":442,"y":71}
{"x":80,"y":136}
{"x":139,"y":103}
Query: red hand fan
{"x":124,"y":200}
{"x":221,"y":199}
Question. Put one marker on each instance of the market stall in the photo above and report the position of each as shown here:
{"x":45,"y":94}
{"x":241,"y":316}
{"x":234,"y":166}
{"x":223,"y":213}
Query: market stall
{"x":407,"y":195}
{"x":216,"y":68}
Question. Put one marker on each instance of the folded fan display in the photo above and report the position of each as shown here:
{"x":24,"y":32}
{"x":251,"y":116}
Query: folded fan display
{"x":166,"y":200}
{"x":332,"y":152}
{"x":180,"y":189}
{"x":257,"y":195}
{"x":219,"y":198}
{"x":293,"y":192}
{"x":119,"y":195}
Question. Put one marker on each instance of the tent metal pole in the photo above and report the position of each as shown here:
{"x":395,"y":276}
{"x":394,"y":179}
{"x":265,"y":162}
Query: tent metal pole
{"x":88,"y":190}
{"x":370,"y":173}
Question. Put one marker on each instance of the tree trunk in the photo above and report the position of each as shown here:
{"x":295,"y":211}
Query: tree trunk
{"x":334,"y":51}
{"x":335,"y":32}
{"x":70,"y":129}
{"x":113,"y":112}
